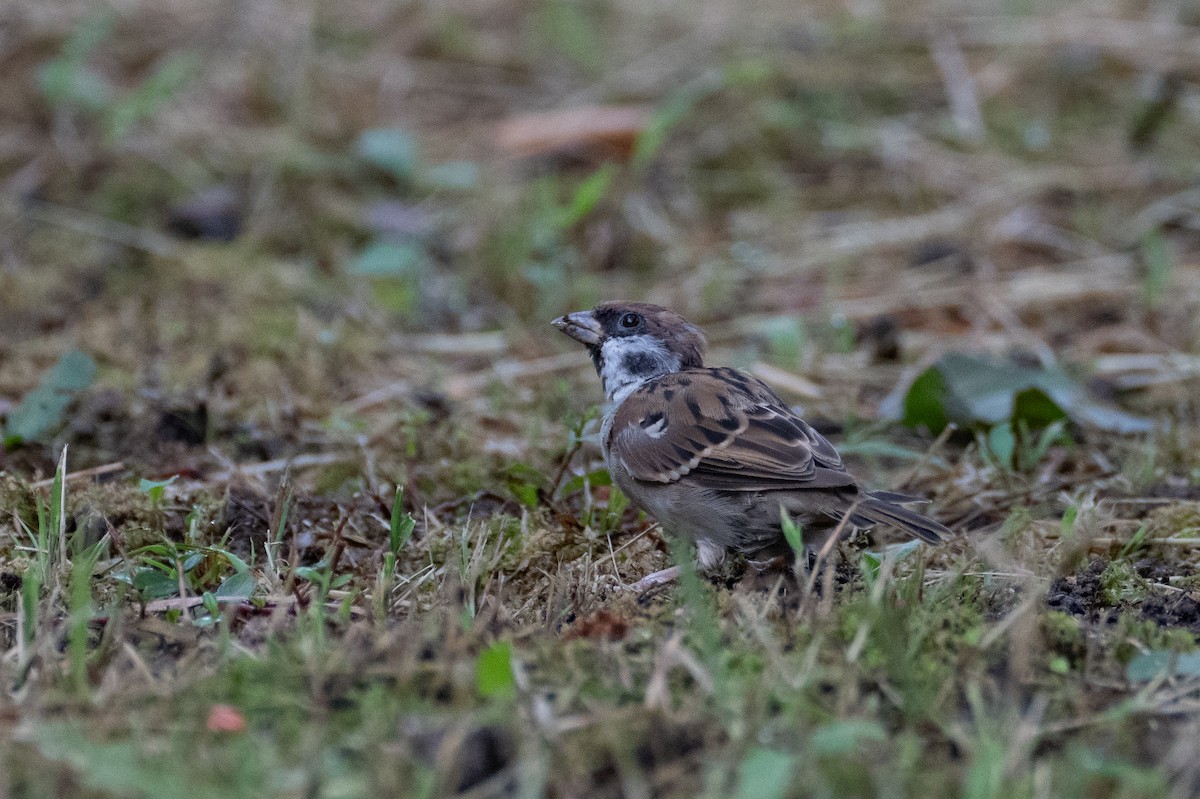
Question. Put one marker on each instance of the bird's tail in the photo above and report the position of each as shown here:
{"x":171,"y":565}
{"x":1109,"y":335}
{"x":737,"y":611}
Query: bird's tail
{"x":880,"y":508}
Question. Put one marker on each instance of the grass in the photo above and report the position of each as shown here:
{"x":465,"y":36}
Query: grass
{"x":308,"y":502}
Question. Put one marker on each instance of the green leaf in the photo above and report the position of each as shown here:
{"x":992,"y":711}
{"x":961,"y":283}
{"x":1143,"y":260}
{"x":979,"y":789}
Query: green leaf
{"x":1159,"y":266}
{"x":875,"y":448}
{"x":493,"y":671}
{"x":1035,"y":407}
{"x":1002,"y":443}
{"x":117,"y":768}
{"x":1147,"y":666}
{"x":792,"y":532}
{"x":43,"y":408}
{"x":154,"y":584}
{"x":239,"y":584}
{"x":568,"y":29}
{"x":67,"y":80}
{"x":452,"y":176}
{"x":596,"y":478}
{"x":843,"y":737}
{"x":668,"y":115}
{"x":390,"y":149}
{"x":526,"y":494}
{"x":872,"y":561}
{"x":150,"y":486}
{"x":156,"y":488}
{"x":402,"y":524}
{"x":313,"y":574}
{"x":925,"y":402}
{"x":587,"y":196}
{"x":390,"y":259}
{"x":160,"y":88}
{"x":764,"y":774}
{"x":974,"y":391}
{"x":193,"y":560}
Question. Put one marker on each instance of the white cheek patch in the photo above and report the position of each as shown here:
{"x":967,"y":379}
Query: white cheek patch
{"x":649,"y":357}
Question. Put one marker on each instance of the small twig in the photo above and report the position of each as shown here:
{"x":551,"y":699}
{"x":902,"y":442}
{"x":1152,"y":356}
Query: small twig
{"x":810,"y":582}
{"x":108,"y":229}
{"x":280,"y":464}
{"x":960,"y":86}
{"x":562,"y":468}
{"x":788,"y":381}
{"x":338,"y":545}
{"x":928,"y":455}
{"x":94,"y":471}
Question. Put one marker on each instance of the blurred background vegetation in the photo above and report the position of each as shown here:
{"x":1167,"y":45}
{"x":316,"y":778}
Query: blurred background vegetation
{"x":235,"y":201}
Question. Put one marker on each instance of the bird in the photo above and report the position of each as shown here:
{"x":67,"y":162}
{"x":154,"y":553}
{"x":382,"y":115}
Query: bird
{"x":712,"y":453}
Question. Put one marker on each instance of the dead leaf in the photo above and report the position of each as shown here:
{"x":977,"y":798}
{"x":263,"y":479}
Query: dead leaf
{"x":607,"y":132}
{"x":602,"y":624}
{"x":225,"y":718}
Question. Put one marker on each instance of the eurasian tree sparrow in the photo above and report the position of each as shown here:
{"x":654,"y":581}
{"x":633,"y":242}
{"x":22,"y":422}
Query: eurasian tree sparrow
{"x":713,"y":453}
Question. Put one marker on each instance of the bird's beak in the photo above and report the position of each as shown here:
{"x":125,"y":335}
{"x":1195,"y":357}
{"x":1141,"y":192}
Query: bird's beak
{"x":581,"y":326}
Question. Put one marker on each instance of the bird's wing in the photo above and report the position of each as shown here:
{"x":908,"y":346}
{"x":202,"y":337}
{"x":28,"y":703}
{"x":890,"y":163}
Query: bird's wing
{"x":723,"y":429}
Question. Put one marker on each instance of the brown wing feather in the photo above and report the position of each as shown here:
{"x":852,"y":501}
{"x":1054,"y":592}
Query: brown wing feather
{"x":725,"y":429}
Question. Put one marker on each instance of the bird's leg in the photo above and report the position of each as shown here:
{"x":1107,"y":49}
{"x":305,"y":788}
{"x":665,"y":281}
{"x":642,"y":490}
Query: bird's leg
{"x":708,"y":555}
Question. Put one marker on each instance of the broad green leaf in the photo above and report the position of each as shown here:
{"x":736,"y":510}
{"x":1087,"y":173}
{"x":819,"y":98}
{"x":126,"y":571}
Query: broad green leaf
{"x":872,"y":561}
{"x":150,"y":485}
{"x":926,"y":401}
{"x":116,"y":768}
{"x":764,"y":774}
{"x":239,"y":584}
{"x":390,"y":149}
{"x":1146,"y":666}
{"x":975,"y":391}
{"x":43,"y":409}
{"x":1035,"y":407}
{"x":1002,"y":443}
{"x":493,"y":671}
{"x":156,"y":488}
{"x":452,"y":176}
{"x":154,"y":584}
{"x":390,"y":259}
{"x":595,"y":478}
{"x":313,"y":574}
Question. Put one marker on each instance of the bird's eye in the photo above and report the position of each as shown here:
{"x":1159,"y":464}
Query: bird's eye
{"x":631,"y":320}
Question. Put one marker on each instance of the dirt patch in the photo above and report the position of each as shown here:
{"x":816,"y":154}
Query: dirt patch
{"x":1104,"y":589}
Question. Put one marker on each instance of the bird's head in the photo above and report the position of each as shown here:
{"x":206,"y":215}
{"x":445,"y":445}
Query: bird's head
{"x":632,"y":342}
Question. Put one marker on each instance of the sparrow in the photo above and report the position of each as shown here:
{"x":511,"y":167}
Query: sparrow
{"x":714,"y":454}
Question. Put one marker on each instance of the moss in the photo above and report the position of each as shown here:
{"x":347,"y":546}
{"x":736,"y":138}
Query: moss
{"x":1134,"y":634}
{"x":1182,"y":518}
{"x":1062,"y":634}
{"x":1120,"y":583}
